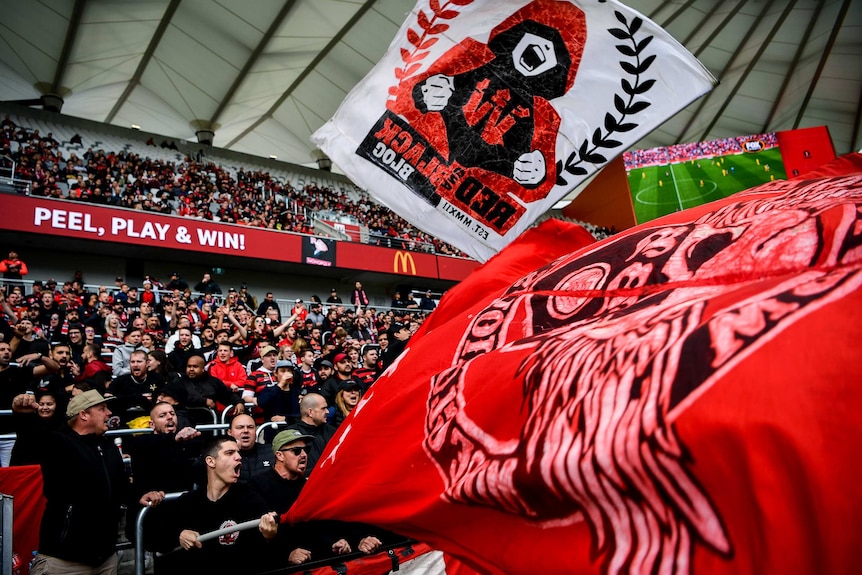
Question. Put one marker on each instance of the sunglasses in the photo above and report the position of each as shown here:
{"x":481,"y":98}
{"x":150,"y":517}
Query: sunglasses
{"x":295,"y":450}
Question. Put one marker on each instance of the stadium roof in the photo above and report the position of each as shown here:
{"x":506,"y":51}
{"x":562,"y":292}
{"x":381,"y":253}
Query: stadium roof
{"x":264,"y":74}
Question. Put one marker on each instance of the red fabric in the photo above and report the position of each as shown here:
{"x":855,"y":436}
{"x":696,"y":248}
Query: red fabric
{"x":372,"y":564}
{"x":25,"y":485}
{"x":680,"y":398}
{"x":846,"y":164}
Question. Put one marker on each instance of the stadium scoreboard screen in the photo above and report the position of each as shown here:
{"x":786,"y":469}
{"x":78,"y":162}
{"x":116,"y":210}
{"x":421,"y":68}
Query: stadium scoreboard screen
{"x":673,"y":178}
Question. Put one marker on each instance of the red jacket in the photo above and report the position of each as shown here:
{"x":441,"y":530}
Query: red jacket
{"x":232,"y":373}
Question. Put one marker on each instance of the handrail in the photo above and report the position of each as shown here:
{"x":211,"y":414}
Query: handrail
{"x":124,"y":432}
{"x":264,"y":426}
{"x":139,"y":533}
{"x":210,"y":410}
{"x":248,"y":406}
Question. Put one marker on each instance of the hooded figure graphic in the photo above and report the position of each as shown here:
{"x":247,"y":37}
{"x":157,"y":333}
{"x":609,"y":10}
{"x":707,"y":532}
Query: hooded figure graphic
{"x":496,"y":115}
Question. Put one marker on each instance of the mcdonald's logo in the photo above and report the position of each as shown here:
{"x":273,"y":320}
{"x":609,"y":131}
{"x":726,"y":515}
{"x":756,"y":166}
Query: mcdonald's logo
{"x":402,"y":259}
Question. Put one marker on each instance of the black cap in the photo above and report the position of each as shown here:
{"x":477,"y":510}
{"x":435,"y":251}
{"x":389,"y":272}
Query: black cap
{"x":349,"y":384}
{"x":322,"y":363}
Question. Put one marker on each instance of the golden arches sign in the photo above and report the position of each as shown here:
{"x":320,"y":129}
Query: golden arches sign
{"x":401,"y":262}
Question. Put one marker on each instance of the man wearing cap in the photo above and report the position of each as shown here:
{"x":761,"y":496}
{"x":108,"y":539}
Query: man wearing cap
{"x":75,"y":337}
{"x":324,"y":368}
{"x":85,"y":485}
{"x":34,"y":296}
{"x":313,"y":413}
{"x":333,"y":297}
{"x":313,"y":540}
{"x":427,"y":303}
{"x":280,"y":487}
{"x":262,"y":376}
{"x":315,"y":314}
{"x":249,"y":300}
{"x":132,"y":305}
{"x":343,"y":373}
{"x":399,"y":335}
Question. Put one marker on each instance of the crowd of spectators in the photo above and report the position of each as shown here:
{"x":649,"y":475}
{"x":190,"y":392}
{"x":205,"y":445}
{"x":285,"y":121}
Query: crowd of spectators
{"x":195,"y":187}
{"x":171,"y":356}
{"x":664,"y":155}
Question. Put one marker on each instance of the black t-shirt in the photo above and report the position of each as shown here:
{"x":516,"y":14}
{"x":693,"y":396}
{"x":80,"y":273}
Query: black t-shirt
{"x":238,"y":552}
{"x":278,"y":492}
{"x":315,"y":536}
{"x":26,"y":347}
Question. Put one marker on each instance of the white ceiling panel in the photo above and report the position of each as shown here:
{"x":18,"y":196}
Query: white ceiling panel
{"x":269,"y":83}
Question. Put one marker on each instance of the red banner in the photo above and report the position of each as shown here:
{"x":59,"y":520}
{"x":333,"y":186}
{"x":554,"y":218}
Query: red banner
{"x":89,"y":222}
{"x":25,"y":485}
{"x":388,"y":261}
{"x":681,"y":398}
{"x":67,"y":219}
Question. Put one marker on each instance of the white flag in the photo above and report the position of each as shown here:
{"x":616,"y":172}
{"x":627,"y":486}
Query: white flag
{"x":484,"y":113}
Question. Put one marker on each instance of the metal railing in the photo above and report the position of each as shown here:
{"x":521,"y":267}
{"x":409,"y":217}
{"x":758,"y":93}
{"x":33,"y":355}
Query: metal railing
{"x":218,"y":427}
{"x":140,"y":551}
{"x":268,"y":425}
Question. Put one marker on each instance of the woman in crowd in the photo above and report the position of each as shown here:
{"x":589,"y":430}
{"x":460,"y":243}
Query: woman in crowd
{"x":147,"y":341}
{"x":345,"y":400}
{"x":157,"y":361}
{"x":112,"y":337}
{"x":33,"y":426}
{"x":89,"y":308}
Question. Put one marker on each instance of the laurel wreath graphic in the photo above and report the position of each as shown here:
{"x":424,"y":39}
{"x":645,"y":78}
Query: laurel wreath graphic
{"x":625,"y":106}
{"x":421,"y":41}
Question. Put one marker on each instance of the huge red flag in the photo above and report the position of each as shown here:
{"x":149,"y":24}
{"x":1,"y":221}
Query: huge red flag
{"x":680,"y":398}
{"x":484,"y":113}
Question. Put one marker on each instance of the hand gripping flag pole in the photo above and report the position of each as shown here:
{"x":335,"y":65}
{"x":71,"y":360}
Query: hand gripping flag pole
{"x":244,"y":526}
